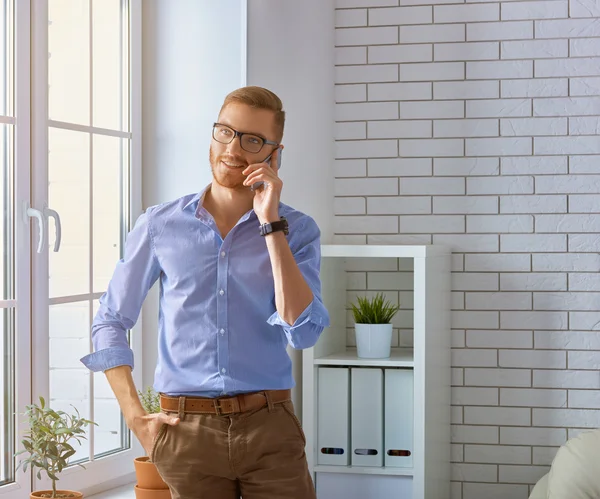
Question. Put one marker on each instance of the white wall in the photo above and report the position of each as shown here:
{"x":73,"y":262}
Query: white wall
{"x":192,"y":58}
{"x":476,"y":125}
{"x":290,"y":51}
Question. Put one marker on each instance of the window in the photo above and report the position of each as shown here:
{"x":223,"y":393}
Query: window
{"x":69,"y":151}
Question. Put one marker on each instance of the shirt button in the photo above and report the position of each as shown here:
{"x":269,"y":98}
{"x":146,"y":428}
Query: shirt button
{"x":223,"y":370}
{"x":222,"y":331}
{"x":222,"y":254}
{"x":221,"y":292}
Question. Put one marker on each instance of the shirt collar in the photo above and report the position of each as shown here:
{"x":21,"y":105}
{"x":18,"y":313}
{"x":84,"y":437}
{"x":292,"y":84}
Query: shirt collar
{"x":201,"y":213}
{"x":196,"y":200}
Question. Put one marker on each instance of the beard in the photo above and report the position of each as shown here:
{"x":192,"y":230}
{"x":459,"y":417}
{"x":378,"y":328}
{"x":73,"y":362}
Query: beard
{"x":226,"y":177}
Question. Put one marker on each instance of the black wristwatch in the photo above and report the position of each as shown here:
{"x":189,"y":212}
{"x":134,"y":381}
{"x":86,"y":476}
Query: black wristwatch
{"x":282,"y":224}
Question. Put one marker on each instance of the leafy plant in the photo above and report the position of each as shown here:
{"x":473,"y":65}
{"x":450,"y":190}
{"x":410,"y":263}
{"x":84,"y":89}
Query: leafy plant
{"x":150,"y":400}
{"x":377,"y":310}
{"x":47,"y":439}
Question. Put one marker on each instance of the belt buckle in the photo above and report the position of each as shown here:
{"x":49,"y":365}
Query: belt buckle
{"x":218,"y":407}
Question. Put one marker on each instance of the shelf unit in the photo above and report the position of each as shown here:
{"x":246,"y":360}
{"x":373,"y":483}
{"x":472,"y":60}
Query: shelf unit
{"x":420,"y":276}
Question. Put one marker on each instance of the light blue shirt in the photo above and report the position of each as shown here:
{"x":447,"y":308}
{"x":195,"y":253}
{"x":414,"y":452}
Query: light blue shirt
{"x":218,"y":330}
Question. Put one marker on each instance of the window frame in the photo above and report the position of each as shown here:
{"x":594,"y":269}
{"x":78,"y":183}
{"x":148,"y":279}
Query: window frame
{"x":33,"y":349}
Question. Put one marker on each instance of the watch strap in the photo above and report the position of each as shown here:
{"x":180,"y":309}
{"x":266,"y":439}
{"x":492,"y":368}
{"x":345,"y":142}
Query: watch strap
{"x":269,"y":228}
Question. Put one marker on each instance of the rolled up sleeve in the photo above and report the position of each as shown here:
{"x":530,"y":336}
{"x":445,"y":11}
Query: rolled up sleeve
{"x":307,"y":328}
{"x":121,"y":304}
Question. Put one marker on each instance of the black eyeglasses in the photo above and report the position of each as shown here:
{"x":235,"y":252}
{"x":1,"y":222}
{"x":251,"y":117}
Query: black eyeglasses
{"x":248,"y":141}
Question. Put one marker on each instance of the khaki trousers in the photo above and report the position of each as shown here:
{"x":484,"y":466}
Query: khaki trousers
{"x":257,"y":454}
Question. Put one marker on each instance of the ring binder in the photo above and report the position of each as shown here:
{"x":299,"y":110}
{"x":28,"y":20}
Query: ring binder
{"x":399,"y":419}
{"x":333,"y":406}
{"x":367,"y":416}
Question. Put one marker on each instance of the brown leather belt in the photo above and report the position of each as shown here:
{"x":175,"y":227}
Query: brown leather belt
{"x":224,"y":405}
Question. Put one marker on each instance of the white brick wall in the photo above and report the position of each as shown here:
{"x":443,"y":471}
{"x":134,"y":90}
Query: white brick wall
{"x":475,"y":124}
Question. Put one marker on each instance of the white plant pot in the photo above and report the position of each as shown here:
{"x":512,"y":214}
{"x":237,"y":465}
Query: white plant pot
{"x":373,"y":341}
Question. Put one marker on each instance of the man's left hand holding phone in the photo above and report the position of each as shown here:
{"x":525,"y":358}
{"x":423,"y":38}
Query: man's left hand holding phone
{"x":267,"y":160}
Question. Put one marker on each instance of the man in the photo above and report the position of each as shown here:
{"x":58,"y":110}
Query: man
{"x":239,"y":281}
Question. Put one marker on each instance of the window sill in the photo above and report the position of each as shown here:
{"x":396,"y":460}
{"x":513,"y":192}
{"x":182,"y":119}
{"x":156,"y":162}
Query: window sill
{"x":124,"y":492}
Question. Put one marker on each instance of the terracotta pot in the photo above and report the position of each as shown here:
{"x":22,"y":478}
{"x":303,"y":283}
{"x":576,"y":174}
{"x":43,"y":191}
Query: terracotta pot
{"x":71,"y":494}
{"x":152,"y":493}
{"x":147,"y":474}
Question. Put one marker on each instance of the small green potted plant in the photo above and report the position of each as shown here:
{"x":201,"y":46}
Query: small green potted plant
{"x":47,"y":443}
{"x":150,"y":484}
{"x":373,"y":326}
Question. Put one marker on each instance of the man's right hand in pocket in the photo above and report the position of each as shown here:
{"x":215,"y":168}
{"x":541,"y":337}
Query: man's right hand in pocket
{"x":146,"y":428}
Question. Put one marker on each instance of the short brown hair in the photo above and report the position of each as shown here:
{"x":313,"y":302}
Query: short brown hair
{"x":259,"y":98}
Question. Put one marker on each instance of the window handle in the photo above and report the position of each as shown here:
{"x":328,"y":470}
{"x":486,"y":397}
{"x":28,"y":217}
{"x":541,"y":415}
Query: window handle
{"x":33,"y":213}
{"x":52,"y":213}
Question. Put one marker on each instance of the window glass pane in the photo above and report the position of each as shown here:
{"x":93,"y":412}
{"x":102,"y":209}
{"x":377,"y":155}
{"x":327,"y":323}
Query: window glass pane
{"x":7,"y":292}
{"x":69,"y":195}
{"x":69,"y":325}
{"x":69,"y":61}
{"x":7,"y":207}
{"x":7,"y":406}
{"x":6,"y":57}
{"x":110,"y":64}
{"x":109,"y":179}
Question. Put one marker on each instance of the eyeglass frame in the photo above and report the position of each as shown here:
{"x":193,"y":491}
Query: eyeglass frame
{"x":240,"y":135}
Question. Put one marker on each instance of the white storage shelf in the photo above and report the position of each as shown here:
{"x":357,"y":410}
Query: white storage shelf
{"x":366,"y":470}
{"x":400,"y":357}
{"x":418,"y":277}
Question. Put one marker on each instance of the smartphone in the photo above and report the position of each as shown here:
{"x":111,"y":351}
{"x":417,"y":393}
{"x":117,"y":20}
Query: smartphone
{"x":267,"y":160}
